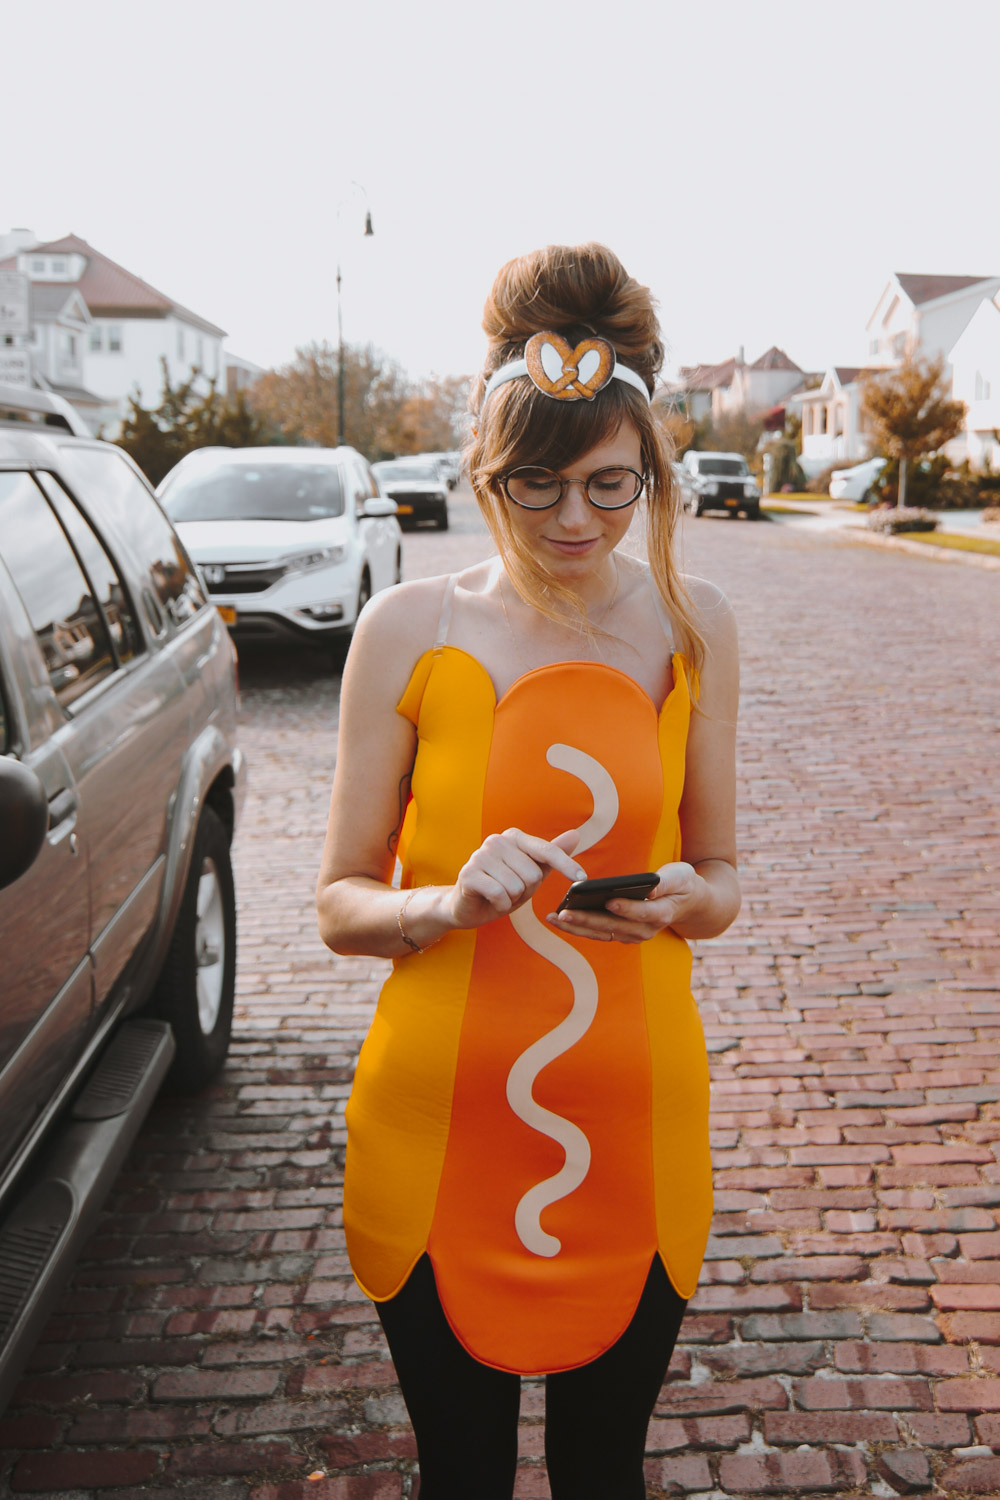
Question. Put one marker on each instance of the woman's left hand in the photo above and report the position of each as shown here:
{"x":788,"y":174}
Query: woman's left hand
{"x":677,"y":897}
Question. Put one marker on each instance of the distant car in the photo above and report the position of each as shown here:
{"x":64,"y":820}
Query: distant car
{"x":856,"y":482}
{"x":417,"y":487}
{"x":720,"y":481}
{"x":120,"y":788}
{"x":449,"y":466}
{"x":683,"y":484}
{"x":291,"y":542}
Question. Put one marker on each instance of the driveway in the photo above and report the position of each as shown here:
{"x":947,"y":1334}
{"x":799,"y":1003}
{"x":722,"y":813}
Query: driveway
{"x":846,"y":1333}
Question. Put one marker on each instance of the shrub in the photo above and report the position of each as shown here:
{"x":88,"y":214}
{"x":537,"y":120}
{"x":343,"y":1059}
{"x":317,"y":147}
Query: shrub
{"x":888,"y":519}
{"x":786,"y":476}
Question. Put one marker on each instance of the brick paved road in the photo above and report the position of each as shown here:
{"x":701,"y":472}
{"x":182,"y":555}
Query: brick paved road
{"x":846,"y":1336}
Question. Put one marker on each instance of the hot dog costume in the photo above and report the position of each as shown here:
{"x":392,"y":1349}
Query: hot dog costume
{"x":530,"y":1109}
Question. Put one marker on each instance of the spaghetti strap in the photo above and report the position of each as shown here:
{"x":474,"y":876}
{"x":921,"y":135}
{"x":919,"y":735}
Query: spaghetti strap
{"x":444,"y":618}
{"x":661,"y":610}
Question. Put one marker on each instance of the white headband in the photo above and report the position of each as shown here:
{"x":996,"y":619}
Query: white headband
{"x":564,"y":373}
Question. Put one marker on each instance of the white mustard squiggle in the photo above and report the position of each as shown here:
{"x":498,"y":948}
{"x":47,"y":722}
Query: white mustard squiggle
{"x":520,"y":1081}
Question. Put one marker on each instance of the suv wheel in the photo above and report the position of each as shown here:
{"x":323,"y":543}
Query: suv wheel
{"x":197,"y":983}
{"x":442,"y":519}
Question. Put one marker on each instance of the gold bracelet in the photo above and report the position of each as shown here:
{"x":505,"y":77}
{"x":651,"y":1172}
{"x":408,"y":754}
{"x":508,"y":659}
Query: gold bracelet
{"x":415,"y":947}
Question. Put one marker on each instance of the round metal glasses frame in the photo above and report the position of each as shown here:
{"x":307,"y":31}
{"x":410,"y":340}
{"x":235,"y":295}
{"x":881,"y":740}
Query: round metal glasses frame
{"x":533,"y":473}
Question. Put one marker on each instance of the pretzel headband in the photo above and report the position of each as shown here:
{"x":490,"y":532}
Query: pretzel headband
{"x":564,"y":373}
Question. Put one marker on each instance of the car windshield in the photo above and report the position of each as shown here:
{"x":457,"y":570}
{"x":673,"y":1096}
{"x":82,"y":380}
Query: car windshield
{"x":722,"y":466}
{"x":257,"y":492}
{"x":403,"y":471}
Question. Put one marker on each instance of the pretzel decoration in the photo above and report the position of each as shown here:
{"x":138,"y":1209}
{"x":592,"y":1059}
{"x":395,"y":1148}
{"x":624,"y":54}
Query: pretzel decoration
{"x":565,"y":373}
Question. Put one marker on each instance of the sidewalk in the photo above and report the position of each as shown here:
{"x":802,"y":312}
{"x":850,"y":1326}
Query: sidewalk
{"x":839,"y":516}
{"x":845,"y":1338}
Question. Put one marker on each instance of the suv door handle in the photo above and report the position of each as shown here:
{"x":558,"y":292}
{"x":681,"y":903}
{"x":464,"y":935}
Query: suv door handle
{"x":61,"y":807}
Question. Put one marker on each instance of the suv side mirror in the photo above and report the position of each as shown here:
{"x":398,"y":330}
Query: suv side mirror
{"x":24,"y":818}
{"x":379,"y":505}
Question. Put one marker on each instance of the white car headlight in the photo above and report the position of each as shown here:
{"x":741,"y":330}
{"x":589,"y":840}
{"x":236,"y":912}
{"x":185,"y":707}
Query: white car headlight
{"x":322,"y":558}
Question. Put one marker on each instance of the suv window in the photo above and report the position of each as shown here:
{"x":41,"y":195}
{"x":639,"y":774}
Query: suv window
{"x":56,"y":593}
{"x":136,"y":515}
{"x":108,"y":587}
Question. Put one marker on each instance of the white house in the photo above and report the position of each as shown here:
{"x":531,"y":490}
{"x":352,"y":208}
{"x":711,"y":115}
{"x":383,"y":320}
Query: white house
{"x":917,"y":315}
{"x":132,"y":329}
{"x":832,"y":421}
{"x":923,"y":315}
{"x":975,"y":363}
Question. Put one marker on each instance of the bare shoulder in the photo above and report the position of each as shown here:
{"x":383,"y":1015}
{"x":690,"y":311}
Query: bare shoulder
{"x":713,"y":610}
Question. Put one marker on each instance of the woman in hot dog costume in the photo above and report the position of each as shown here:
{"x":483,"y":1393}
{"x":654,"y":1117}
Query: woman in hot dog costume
{"x":528,"y":1182}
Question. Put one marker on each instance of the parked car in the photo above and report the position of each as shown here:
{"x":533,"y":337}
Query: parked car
{"x":720,"y":481}
{"x":418,"y":489}
{"x":40,"y":409}
{"x":291,"y":542}
{"x":120,"y":788}
{"x":684,"y":485}
{"x":856,"y":482}
{"x":449,"y":466}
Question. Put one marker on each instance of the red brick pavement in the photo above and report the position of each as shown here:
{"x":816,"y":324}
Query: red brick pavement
{"x":846,"y":1335}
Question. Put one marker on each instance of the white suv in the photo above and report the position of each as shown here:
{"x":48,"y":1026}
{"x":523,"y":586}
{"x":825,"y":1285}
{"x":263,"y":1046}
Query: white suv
{"x":291,"y":542}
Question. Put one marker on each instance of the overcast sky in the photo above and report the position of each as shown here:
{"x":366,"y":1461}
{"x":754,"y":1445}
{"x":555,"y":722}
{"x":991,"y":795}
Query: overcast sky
{"x":764,"y":167}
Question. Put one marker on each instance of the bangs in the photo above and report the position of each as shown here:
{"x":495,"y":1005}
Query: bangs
{"x":524,"y":426}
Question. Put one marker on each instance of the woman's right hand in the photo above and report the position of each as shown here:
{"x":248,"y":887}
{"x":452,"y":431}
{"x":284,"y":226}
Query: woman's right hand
{"x":505,"y":872}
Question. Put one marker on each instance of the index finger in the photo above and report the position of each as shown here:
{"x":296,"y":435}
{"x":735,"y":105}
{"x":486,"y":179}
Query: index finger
{"x":544,"y":852}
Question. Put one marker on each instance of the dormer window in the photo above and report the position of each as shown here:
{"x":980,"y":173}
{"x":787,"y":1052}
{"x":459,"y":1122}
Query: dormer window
{"x":58,"y":265}
{"x":37,"y":265}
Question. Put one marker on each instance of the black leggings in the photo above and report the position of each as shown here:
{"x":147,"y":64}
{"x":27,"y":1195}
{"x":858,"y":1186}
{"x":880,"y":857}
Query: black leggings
{"x":464,"y":1413}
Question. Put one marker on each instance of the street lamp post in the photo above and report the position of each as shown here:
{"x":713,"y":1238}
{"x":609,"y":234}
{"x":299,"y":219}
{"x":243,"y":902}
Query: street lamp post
{"x":341,"y":424}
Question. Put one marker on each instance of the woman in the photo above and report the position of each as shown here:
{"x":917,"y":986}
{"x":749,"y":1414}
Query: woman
{"x":528,"y":1186}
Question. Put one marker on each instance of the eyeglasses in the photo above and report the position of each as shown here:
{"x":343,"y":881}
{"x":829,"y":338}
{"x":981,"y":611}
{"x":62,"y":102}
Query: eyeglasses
{"x":540,"y":489}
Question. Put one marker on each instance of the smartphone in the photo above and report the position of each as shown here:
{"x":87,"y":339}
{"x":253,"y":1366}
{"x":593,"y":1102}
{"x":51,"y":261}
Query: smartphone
{"x":593,"y":895}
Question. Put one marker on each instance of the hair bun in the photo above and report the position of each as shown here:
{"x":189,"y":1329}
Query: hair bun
{"x":574,"y":290}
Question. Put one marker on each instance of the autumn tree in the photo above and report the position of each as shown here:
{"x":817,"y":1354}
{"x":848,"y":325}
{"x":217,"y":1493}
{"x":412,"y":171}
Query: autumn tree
{"x":385,"y":413}
{"x":910,"y":413}
{"x":187,"y":418}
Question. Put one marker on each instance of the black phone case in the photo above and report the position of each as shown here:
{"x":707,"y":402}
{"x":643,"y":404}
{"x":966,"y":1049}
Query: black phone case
{"x":594,"y":895}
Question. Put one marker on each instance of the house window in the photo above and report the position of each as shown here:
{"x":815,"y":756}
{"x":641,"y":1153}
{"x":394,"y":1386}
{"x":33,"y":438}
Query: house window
{"x":982,"y":387}
{"x":58,"y":266}
{"x":899,"y":345}
{"x":873,"y":346}
{"x":96,"y":340}
{"x":114,"y":338}
{"x":38,"y":266}
{"x":68,"y":345}
{"x":180,"y":342}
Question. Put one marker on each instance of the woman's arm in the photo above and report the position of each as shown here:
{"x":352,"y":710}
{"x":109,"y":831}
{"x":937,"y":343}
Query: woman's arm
{"x":358,"y":910}
{"x":700,"y":896}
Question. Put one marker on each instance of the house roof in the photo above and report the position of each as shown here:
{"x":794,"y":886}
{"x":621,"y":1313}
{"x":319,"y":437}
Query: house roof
{"x":847,"y":374}
{"x":707,"y":377}
{"x":921,"y":289}
{"x":775,"y":359}
{"x":50,"y":298}
{"x":111,"y":291}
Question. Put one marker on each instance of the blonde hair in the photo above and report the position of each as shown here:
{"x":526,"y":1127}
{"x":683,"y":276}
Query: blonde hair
{"x":577,"y":291}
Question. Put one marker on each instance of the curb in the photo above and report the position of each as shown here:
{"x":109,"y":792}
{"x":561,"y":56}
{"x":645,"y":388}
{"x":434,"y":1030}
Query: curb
{"x":918,"y":549}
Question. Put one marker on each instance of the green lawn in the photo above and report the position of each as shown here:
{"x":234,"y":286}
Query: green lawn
{"x":952,"y":539}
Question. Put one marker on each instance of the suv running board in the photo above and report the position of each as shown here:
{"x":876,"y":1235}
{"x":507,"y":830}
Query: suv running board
{"x":42,"y":1237}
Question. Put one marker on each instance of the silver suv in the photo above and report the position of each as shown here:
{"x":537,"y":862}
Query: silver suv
{"x":120,"y":785}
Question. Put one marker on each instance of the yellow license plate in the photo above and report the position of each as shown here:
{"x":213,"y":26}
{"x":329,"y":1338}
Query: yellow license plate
{"x":227,"y":612}
{"x":404,"y":510}
{"x":732,"y":503}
